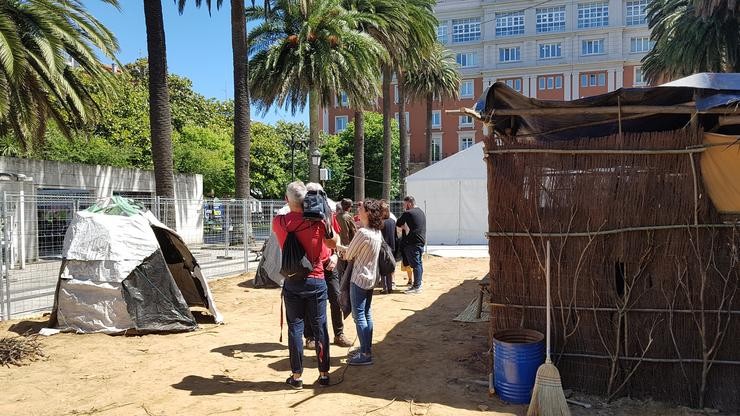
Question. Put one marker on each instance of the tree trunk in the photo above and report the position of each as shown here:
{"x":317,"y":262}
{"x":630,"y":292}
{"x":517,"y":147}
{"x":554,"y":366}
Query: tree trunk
{"x":428,"y":132}
{"x":405,"y":150}
{"x":160,"y":119}
{"x":242,"y":134}
{"x":313,"y":137}
{"x":359,"y":155}
{"x":387,"y":133}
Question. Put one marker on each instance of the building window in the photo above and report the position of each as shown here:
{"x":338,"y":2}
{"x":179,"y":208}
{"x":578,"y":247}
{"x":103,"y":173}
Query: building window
{"x":467,"y":59}
{"x":643,"y":44}
{"x":550,"y":82}
{"x":395,"y":93}
{"x":442,"y":33}
{"x":593,"y":15}
{"x":466,"y":121}
{"x":509,"y":54}
{"x":592,"y":47}
{"x":340,"y":124}
{"x":465,"y":30}
{"x":636,"y":12}
{"x":406,"y":119}
{"x":467,"y":89}
{"x":343,"y":99}
{"x":551,"y":50}
{"x":510,"y":24}
{"x":593,"y":80}
{"x":436,"y":149}
{"x":551,"y":19}
{"x":466,"y":142}
{"x":437,"y":119}
{"x":639,"y":77}
{"x":514,"y":83}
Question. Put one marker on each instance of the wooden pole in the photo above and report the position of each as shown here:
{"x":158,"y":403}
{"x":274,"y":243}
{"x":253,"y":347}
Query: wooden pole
{"x":491,"y":234}
{"x":624,"y":109}
{"x":602,"y":151}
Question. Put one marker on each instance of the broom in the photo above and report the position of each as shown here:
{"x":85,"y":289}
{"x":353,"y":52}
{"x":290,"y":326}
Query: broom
{"x":548,"y":398}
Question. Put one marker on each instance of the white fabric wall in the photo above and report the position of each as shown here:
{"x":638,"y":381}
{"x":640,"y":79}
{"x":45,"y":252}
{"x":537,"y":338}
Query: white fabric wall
{"x":456,"y":210}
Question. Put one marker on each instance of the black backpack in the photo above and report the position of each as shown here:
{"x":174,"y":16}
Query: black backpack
{"x":295,"y":265}
{"x":316,"y":208}
{"x":386,"y":260}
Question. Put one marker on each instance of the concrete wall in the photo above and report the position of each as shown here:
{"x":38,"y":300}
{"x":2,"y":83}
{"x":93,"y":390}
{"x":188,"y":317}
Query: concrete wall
{"x":99,"y":182}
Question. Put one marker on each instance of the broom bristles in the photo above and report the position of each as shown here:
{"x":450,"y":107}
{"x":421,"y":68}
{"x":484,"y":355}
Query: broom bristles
{"x":548,"y":398}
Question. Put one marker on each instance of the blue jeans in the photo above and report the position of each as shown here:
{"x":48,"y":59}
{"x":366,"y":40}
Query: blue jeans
{"x":361,"y":300}
{"x":305,"y":301}
{"x":413,"y":256}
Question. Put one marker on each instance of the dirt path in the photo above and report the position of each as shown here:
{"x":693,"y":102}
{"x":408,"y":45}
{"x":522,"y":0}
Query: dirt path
{"x":239,"y":368}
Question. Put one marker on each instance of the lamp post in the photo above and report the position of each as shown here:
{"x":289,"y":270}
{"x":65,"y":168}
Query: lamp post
{"x":295,"y":142}
{"x":316,"y":158}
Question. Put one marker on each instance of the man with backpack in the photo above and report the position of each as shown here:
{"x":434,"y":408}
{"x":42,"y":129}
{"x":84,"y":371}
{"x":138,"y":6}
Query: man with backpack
{"x":307,"y":247}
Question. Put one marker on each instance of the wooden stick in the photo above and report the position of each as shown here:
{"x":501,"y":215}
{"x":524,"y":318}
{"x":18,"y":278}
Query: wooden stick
{"x":625,"y":109}
{"x":588,"y":308}
{"x":601,"y":151}
{"x":607,"y":232}
{"x":648,"y":359}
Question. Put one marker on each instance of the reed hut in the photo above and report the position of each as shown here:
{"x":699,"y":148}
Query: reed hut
{"x":638,"y":191}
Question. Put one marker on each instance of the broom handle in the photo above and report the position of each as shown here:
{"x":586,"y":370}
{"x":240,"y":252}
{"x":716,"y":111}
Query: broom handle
{"x":547,"y":284}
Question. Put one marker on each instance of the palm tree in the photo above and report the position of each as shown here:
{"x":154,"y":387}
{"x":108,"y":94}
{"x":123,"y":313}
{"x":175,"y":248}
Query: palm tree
{"x":438,"y":77}
{"x":422,"y":26}
{"x":310,"y":50}
{"x":242,"y":119}
{"x":160,"y":118}
{"x":387,"y":21}
{"x":686,"y":43}
{"x":47,"y":50}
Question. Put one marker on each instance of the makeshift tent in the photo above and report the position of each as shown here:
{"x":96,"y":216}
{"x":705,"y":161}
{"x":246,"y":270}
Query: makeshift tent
{"x":643,"y":260}
{"x":268,"y":271}
{"x":124,"y":270}
{"x":452,"y":193}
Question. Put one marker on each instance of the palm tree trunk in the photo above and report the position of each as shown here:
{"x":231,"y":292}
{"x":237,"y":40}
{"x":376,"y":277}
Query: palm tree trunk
{"x":313,"y":136}
{"x":403,"y":134}
{"x":387,"y":134}
{"x":160,"y":119}
{"x":242,"y":134}
{"x":359,"y":155}
{"x":429,"y":99}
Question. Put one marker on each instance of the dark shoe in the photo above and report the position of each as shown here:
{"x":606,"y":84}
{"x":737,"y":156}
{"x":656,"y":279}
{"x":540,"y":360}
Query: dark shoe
{"x":413,"y":291}
{"x":360,"y":359}
{"x":342,"y":341}
{"x":384,"y":292}
{"x":310,"y":344}
{"x":324,"y":381}
{"x":296,"y":384}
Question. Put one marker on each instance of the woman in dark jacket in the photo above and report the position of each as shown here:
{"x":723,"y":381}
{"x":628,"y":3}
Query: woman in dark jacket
{"x":389,"y":236}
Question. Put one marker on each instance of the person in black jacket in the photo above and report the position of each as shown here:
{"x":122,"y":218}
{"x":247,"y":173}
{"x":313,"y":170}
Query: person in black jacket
{"x":389,"y":235}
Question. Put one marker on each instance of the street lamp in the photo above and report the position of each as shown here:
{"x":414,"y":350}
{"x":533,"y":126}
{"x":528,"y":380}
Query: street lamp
{"x":316,"y":158}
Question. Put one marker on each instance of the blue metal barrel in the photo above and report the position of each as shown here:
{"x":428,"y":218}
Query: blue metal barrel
{"x":517,"y":353}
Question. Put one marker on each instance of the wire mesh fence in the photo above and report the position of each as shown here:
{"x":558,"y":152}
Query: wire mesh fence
{"x":225,"y":236}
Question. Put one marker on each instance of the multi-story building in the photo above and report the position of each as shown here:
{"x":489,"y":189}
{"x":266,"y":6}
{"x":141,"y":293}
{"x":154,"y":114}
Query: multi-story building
{"x":551,"y":50}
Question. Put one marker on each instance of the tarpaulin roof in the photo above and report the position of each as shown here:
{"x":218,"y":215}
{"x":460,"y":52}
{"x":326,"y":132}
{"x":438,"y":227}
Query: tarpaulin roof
{"x":701,"y":91}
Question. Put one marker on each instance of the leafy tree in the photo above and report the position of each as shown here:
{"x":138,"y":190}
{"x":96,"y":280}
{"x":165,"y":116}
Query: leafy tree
{"x":37,"y":37}
{"x":337,"y":156}
{"x":686,"y":43}
{"x":310,"y":51}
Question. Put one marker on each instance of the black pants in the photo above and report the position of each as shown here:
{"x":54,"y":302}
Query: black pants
{"x":332,"y":286}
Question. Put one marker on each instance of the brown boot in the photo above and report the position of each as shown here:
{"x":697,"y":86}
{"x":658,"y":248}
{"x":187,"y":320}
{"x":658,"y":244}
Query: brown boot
{"x":342,"y":341}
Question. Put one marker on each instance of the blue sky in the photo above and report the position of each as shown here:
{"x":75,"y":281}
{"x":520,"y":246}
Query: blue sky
{"x":198,"y":46}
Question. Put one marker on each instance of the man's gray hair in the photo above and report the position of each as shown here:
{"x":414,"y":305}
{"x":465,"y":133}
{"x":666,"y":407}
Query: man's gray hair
{"x":313,"y":186}
{"x":295,"y":192}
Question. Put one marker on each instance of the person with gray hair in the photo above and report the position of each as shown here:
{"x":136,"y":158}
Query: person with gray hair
{"x":332,"y":277}
{"x":305,"y":299}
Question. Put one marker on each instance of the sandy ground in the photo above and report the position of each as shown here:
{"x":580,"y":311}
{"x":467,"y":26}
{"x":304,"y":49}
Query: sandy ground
{"x":423,"y":363}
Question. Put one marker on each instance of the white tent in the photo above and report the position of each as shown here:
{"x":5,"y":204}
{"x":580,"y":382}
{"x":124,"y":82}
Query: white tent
{"x":452,"y":193}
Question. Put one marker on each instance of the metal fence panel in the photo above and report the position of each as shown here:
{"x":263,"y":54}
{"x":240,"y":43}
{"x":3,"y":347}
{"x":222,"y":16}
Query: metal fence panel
{"x":225,"y":236}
